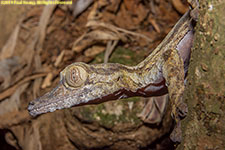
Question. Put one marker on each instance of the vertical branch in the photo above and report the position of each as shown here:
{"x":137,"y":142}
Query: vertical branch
{"x":204,"y":128}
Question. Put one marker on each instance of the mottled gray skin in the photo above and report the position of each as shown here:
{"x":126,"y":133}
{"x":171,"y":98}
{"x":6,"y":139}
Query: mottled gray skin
{"x":162,"y":72}
{"x":120,"y":81}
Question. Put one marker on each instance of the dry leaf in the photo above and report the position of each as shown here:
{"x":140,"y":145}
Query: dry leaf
{"x":119,"y":31}
{"x":11,"y":140}
{"x":180,"y":7}
{"x":12,"y":89}
{"x":7,"y":68}
{"x":14,"y":118}
{"x":59,"y":59}
{"x":109,"y":48}
{"x":38,"y":81}
{"x":154,"y":24}
{"x":45,"y":16}
{"x":8,"y":49}
{"x":92,"y":37}
{"x":13,"y":103}
{"x":47,"y":81}
{"x":79,"y":6}
{"x":94,"y":50}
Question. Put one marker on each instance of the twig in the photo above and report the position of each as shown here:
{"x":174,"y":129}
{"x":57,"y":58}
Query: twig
{"x":116,"y":29}
{"x":6,"y":93}
{"x":109,"y":48}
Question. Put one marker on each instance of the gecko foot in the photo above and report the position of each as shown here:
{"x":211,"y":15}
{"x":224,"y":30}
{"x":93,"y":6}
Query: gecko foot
{"x":179,"y":110}
{"x":154,"y":109}
{"x":176,"y":135}
{"x":182,"y":110}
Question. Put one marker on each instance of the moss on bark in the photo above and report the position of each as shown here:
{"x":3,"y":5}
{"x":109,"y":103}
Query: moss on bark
{"x":204,"y":127}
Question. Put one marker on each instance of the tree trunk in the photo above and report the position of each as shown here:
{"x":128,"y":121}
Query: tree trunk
{"x":204,"y":127}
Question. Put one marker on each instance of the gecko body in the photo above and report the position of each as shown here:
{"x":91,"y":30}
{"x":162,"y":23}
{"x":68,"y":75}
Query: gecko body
{"x":162,"y":72}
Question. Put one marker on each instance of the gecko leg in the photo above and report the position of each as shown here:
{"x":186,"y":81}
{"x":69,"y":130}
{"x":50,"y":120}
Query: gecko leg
{"x":173,"y":72}
{"x":194,"y":4}
{"x":154,"y":109}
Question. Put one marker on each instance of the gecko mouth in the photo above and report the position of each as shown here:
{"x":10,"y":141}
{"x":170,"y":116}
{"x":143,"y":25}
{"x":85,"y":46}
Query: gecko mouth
{"x":35,"y":109}
{"x":62,"y":97}
{"x":50,"y":102}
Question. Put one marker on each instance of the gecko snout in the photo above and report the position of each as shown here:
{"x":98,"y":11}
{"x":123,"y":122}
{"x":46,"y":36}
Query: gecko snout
{"x":30,"y":106}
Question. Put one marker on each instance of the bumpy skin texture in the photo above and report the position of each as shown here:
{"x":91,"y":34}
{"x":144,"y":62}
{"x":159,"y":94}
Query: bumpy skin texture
{"x":109,"y":81}
{"x":160,"y":73}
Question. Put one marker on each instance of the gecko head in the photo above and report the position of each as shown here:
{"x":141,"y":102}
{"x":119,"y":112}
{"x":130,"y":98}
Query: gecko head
{"x":72,"y":79}
{"x":79,"y":84}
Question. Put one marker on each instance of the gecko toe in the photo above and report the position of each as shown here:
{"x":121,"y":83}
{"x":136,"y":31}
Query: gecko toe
{"x":176,"y":135}
{"x":183,"y":110}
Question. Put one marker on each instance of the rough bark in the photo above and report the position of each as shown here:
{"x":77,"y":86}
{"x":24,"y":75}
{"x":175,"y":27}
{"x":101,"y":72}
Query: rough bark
{"x":204,"y":127}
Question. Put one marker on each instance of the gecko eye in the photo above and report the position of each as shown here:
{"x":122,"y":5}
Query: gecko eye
{"x":76,"y":76}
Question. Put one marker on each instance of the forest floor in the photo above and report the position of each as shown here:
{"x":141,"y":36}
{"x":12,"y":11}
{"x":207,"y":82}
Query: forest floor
{"x":48,"y":38}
